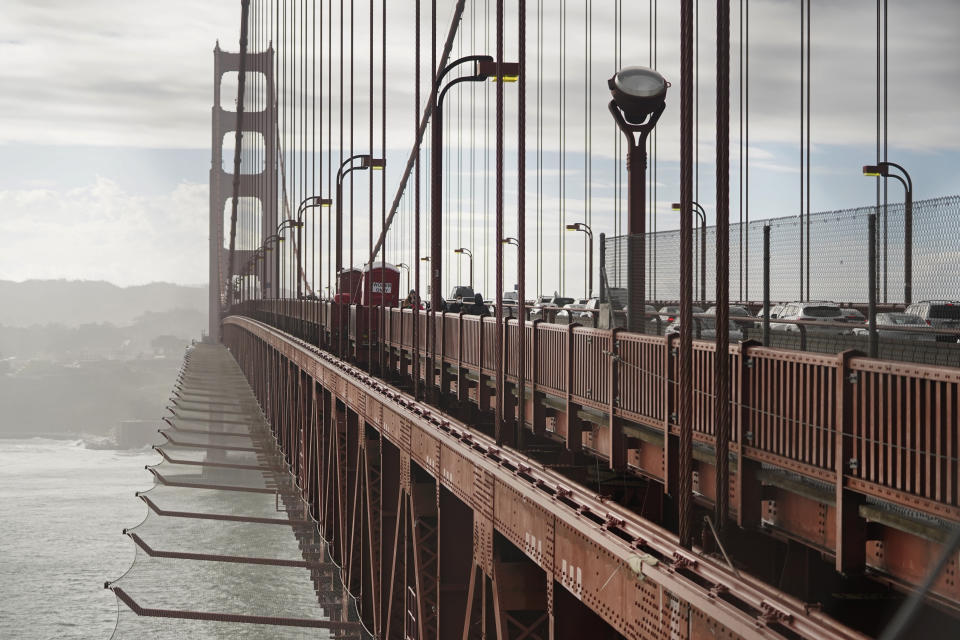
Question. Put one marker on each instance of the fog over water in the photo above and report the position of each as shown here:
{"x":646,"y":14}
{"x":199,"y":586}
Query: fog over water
{"x":63,"y":508}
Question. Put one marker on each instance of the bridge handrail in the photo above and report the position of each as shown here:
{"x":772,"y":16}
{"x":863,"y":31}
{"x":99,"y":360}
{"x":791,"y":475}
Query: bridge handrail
{"x":900,"y":421}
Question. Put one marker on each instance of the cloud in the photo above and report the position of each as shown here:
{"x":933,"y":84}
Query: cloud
{"x":101,"y":231}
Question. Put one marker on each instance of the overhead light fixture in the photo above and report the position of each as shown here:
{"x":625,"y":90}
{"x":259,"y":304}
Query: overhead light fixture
{"x":638,"y":92}
{"x":509,"y":71}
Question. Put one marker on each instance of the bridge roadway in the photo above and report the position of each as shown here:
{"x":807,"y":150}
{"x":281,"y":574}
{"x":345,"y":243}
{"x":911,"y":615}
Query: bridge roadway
{"x":854,"y":459}
{"x":446,"y":535}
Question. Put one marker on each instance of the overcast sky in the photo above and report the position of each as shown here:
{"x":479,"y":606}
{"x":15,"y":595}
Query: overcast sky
{"x":105,"y":122}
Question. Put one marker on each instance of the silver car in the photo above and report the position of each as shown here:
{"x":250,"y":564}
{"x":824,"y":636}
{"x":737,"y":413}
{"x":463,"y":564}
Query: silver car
{"x":939,"y":314}
{"x":814,"y":311}
{"x":905,"y":320}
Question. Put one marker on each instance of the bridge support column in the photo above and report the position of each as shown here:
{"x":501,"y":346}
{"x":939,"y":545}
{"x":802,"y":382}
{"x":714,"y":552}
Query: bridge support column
{"x":261,"y":185}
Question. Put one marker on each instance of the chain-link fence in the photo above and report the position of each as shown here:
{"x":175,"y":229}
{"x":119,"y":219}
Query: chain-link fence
{"x":827,"y":261}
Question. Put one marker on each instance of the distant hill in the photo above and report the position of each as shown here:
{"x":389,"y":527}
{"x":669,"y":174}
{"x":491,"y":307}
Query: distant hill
{"x":77,"y":302}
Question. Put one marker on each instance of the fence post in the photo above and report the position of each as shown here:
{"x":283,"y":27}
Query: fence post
{"x":872,"y":282}
{"x":766,"y":285}
{"x":603,"y":262}
{"x":850,"y":532}
{"x":749,"y":492}
{"x":461,"y":378}
{"x":574,"y":425}
{"x":618,"y":441}
{"x":669,"y":398}
{"x":539,"y":411}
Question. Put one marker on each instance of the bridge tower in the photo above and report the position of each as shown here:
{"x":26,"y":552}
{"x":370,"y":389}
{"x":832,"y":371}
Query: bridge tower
{"x":261,"y":185}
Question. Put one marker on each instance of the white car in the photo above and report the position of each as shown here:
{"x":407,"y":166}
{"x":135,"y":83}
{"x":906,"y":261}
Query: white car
{"x":812,"y":311}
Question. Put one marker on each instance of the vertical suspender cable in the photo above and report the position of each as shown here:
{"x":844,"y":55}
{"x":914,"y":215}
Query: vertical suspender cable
{"x":473,"y":140}
{"x":586,"y":137}
{"x":746,"y":146}
{"x":521,"y":219}
{"x":352,"y":131}
{"x":685,"y":400}
{"x":329,"y":191}
{"x":562,"y":130}
{"x":802,"y":122}
{"x":317,"y":228}
{"x":809,"y":147}
{"x":435,"y":234}
{"x":722,"y":360}
{"x":383,"y":154}
{"x":369,"y":310}
{"x":416,"y":208}
{"x":886,"y":21}
{"x":486,"y":153}
{"x":499,"y":418}
{"x":539,"y":147}
{"x":740,"y":150}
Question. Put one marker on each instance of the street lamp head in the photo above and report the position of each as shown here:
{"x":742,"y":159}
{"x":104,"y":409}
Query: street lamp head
{"x":462,"y":250}
{"x":675,"y":206}
{"x":576,"y":226}
{"x":512,"y":241}
{"x":487,"y":68}
{"x":425,"y":259}
{"x":881,"y":169}
{"x":638,"y":92}
{"x":369,"y":162}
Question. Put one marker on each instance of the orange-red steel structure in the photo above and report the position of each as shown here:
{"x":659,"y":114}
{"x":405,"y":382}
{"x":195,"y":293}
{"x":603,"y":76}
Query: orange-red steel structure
{"x":852,"y":457}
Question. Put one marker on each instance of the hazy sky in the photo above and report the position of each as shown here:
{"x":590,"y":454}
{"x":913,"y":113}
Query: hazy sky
{"x":105,"y":120}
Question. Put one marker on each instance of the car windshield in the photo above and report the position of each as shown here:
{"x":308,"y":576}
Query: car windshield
{"x":945,"y":311}
{"x":562,"y":301}
{"x":822,"y":312}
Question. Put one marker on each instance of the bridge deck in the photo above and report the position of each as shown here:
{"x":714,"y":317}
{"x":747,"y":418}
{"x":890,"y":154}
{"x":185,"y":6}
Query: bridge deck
{"x":406,"y":483}
{"x":853,"y":457}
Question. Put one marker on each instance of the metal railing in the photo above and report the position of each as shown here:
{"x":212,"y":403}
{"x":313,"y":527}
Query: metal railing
{"x":790,"y":409}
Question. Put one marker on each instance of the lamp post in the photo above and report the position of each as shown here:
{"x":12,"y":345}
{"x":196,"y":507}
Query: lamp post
{"x":484,"y":67}
{"x":286,"y":224}
{"x":466,"y":252}
{"x":405,"y":267}
{"x":882,"y":169}
{"x":429,"y":286}
{"x":346,"y":167}
{"x":580,"y":226}
{"x":266,"y":247}
{"x":702,"y":215}
{"x":639,"y":99}
{"x":307,"y":203}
